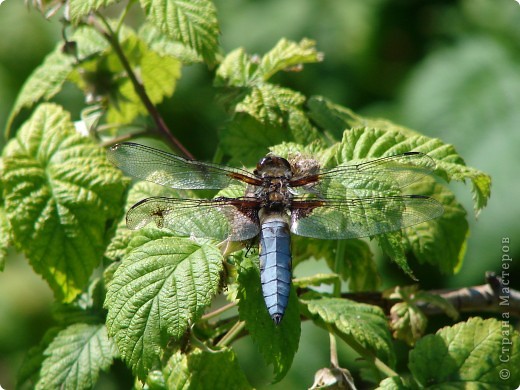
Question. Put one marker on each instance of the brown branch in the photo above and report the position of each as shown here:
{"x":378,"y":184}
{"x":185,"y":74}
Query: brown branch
{"x":495,"y":296}
{"x":113,"y":39}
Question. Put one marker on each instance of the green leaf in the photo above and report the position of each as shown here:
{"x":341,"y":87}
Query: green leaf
{"x":80,"y":8}
{"x":48,"y":78}
{"x":205,"y":370}
{"x":247,"y":140}
{"x":159,"y":75}
{"x":408,"y":322}
{"x":162,"y":287}
{"x":359,"y":267}
{"x":383,"y":138}
{"x":44,"y":82}
{"x":236,"y":70}
{"x":441,"y":241}
{"x":335,"y":119}
{"x":392,"y":244}
{"x":287,"y":54}
{"x":365,"y":324}
{"x":474,"y":354}
{"x":268,"y":103}
{"x":76,"y":356}
{"x":277,"y":343}
{"x":119,"y":245}
{"x":165,"y":46}
{"x":193,"y":23}
{"x":61,"y":195}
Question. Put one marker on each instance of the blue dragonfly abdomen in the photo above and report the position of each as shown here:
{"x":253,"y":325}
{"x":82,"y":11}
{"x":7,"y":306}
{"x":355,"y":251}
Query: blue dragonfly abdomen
{"x":275,"y":266}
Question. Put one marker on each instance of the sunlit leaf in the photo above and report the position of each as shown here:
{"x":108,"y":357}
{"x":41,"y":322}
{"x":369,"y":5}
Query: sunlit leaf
{"x":48,"y":78}
{"x":193,"y":23}
{"x":268,"y":103}
{"x":61,"y":195}
{"x":474,"y":354}
{"x":162,"y":286}
{"x":166,"y":46}
{"x":287,"y":54}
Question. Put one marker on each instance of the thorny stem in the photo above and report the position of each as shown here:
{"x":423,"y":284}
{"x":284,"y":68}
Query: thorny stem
{"x":112,"y":38}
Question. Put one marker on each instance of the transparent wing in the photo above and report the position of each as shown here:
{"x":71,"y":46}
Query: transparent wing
{"x":220,"y":218}
{"x":173,"y":171}
{"x":372,"y":178}
{"x":352,"y":218}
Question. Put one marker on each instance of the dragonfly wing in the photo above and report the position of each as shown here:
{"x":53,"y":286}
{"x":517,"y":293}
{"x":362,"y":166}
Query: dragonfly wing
{"x":233,"y":219}
{"x":363,"y":217}
{"x":169,"y":170}
{"x":375,"y":177}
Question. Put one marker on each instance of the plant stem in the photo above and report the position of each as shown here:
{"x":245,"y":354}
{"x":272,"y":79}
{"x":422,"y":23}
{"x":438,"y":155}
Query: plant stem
{"x":333,"y":350}
{"x":113,"y":39}
{"x":367,"y":355}
{"x":338,"y":266}
{"x":230,"y":335}
{"x":218,"y":311}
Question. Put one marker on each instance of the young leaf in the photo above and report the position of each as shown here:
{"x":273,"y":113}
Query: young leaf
{"x":80,"y":8}
{"x":193,"y":23}
{"x":236,"y":70}
{"x":165,"y":46}
{"x":408,"y":322}
{"x":477,"y":353}
{"x":45,"y":82}
{"x":75,"y":357}
{"x":205,"y":370}
{"x":159,"y":75}
{"x":61,"y":195}
{"x":162,"y":287}
{"x":365,"y":324}
{"x":47,"y":79}
{"x":287,"y":54}
{"x":268,"y":103}
{"x":277,"y":343}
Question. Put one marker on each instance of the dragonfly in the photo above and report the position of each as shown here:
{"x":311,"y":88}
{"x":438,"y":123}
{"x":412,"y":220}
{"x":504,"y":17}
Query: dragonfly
{"x":280,"y":198}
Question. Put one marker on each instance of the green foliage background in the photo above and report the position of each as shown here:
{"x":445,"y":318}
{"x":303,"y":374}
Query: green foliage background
{"x":450,"y":69}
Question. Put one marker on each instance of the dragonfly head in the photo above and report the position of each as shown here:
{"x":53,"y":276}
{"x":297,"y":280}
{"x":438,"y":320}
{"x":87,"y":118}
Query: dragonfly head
{"x":273,"y":166}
